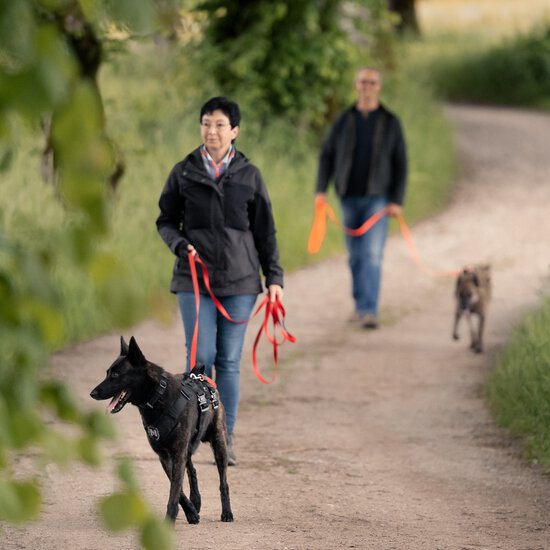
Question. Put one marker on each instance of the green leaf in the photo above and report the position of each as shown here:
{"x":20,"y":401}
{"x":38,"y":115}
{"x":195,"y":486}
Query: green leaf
{"x":126,"y":473}
{"x":19,"y":501}
{"x":84,"y":154}
{"x":57,"y":448}
{"x":138,"y":16}
{"x":6,"y":159}
{"x":54,"y":4}
{"x":99,"y":424}
{"x":24,"y":427}
{"x":17,"y":27}
{"x":47,"y":318}
{"x":157,"y":534}
{"x":89,"y":451}
{"x":122,"y":511}
{"x":56,"y":395}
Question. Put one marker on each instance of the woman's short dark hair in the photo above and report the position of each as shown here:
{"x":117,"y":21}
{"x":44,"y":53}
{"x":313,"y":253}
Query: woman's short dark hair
{"x":229,"y":108}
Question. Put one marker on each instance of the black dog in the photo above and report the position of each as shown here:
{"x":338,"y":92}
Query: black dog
{"x":178,"y":412}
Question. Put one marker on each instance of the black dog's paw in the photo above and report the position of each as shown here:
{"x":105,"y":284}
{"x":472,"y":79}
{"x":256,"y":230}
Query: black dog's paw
{"x":227,"y":516}
{"x":193,"y":518}
{"x":196,"y":501}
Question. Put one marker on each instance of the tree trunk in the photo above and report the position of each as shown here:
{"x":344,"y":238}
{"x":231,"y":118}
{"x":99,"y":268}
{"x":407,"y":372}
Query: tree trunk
{"x":407,"y":10}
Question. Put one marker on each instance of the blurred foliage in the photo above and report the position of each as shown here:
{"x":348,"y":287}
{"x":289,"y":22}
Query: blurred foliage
{"x":294,"y":57}
{"x":514,"y":72}
{"x":41,"y":78}
{"x":69,"y":252}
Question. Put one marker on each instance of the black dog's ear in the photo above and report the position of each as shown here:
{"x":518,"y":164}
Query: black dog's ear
{"x":135,"y":356}
{"x":123,"y":346}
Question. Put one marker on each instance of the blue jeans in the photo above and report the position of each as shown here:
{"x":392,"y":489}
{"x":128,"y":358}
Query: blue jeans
{"x":365,"y":252}
{"x":220,"y":342}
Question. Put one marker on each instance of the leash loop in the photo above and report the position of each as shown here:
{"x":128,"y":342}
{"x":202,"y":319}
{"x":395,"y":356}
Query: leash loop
{"x":274,"y":311}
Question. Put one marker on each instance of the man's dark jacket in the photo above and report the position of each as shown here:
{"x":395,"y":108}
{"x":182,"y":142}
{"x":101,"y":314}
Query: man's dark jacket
{"x":388,"y":163}
{"x":229,"y":222}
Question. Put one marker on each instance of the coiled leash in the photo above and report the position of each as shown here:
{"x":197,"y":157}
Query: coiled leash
{"x":324,"y":211}
{"x":274,"y":312}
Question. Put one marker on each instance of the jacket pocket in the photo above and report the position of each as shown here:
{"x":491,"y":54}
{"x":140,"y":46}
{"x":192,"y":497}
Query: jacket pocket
{"x":198,"y":205}
{"x":241,"y":256}
{"x":238,"y":198}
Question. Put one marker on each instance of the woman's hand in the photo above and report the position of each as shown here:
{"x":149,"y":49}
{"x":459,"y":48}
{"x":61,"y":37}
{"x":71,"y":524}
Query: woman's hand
{"x":274,"y":292}
{"x":191,"y":248}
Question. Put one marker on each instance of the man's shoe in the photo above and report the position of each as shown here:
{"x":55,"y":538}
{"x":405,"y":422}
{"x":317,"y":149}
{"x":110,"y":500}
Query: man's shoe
{"x":369,"y":322}
{"x":231,"y":458}
{"x":356,"y":318}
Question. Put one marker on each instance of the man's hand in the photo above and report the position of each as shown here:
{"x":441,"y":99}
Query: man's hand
{"x":394,"y":210}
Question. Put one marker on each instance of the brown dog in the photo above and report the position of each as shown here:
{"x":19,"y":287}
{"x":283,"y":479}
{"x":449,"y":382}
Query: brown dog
{"x":473,"y":292}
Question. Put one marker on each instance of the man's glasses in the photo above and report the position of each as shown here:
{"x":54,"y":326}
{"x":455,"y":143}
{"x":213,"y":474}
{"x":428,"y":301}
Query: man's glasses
{"x":371,"y":82}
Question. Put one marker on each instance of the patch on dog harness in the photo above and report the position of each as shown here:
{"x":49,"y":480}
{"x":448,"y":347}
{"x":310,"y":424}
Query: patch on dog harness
{"x":152,"y":433}
{"x":167,"y":419}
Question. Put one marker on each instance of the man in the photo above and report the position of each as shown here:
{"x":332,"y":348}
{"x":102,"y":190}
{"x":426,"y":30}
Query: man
{"x":365,"y":152}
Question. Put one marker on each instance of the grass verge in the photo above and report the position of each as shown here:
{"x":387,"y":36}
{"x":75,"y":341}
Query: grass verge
{"x":518,"y":389}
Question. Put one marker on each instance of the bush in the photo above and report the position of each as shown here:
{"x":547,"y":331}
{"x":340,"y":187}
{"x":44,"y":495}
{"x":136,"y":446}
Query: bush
{"x":515,"y":73}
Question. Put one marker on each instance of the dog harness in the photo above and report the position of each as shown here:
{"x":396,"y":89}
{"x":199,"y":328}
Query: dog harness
{"x":192,"y":386}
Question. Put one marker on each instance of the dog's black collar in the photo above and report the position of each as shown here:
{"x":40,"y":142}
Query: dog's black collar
{"x":159,"y":391}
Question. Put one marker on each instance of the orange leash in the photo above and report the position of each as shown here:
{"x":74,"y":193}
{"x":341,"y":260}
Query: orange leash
{"x":323,"y":210}
{"x":406,"y":233}
{"x":274,"y":311}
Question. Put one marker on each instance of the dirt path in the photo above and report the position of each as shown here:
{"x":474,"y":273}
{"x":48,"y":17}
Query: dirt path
{"x":367,"y":440}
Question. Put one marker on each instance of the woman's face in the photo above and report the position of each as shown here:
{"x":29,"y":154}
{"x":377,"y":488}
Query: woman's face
{"x":217,"y":134}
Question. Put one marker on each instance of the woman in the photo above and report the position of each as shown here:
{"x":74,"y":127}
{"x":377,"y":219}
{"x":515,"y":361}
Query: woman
{"x":215,"y":204}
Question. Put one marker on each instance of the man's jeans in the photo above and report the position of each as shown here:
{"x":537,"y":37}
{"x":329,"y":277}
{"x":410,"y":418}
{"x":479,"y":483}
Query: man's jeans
{"x":220,"y":342}
{"x":365,"y":252}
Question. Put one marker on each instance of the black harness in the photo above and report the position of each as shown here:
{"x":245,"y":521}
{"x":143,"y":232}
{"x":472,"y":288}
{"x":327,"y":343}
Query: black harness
{"x":193,"y":388}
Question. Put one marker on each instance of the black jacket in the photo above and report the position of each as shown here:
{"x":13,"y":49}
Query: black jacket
{"x":388,"y":164}
{"x":229,"y":222}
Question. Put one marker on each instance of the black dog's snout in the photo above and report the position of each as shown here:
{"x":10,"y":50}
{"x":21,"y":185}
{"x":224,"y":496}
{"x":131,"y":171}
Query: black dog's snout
{"x":93,"y":393}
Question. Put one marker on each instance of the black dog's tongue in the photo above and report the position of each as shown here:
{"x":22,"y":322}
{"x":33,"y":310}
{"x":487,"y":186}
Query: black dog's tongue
{"x":114,"y":401}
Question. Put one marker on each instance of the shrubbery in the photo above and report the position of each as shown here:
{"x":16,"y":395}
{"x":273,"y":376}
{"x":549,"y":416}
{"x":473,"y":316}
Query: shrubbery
{"x":517,"y":72}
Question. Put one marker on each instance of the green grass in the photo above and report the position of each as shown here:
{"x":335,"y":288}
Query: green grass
{"x":518,"y":390}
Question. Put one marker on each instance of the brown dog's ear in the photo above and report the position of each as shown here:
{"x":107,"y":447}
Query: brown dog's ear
{"x":123,"y":346}
{"x":135,"y":356}
{"x":476,"y":279}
